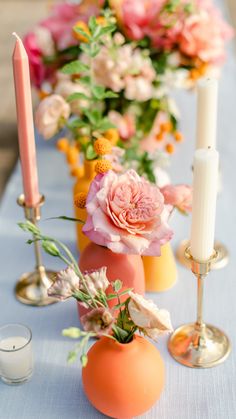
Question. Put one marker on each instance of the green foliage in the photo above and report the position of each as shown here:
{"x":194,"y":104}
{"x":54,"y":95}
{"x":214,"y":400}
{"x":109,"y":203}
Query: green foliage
{"x":75,"y":67}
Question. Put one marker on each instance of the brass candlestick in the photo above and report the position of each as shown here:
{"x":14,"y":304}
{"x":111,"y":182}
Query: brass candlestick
{"x":219,"y":262}
{"x":31,"y":289}
{"x":199,"y":345}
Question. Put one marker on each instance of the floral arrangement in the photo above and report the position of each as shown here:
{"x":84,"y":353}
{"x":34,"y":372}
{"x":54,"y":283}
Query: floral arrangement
{"x":134,"y":314}
{"x":128,"y":214}
{"x":107,"y":70}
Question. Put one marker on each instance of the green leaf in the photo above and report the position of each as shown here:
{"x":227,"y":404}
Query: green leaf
{"x":110,"y":95}
{"x":111,"y":296}
{"x":94,"y":50}
{"x":74,"y":67}
{"x":98,"y":91}
{"x":94,"y":116}
{"x":90,"y":153}
{"x":107,"y":29}
{"x":63,"y":217}
{"x":85,"y":80}
{"x":92,"y":23}
{"x":76,"y":96}
{"x":126,"y":291}
{"x":118,"y":306}
{"x":105,"y":124}
{"x":77,"y":123}
{"x":117,"y":285}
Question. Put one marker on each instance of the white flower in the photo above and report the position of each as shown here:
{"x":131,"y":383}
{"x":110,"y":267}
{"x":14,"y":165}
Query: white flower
{"x":146,"y":315}
{"x":51,"y":115}
{"x":95,"y":281}
{"x":65,"y":88}
{"x":65,"y":285}
{"x":44,"y":40}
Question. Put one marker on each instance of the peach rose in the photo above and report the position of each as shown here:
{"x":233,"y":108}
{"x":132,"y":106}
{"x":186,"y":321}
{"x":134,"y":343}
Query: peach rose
{"x":51,"y":115}
{"x":126,"y":213}
{"x":203,"y":35}
{"x":179,"y":196}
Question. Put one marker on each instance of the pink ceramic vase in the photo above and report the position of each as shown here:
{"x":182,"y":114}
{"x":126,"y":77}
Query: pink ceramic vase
{"x":128,"y":268}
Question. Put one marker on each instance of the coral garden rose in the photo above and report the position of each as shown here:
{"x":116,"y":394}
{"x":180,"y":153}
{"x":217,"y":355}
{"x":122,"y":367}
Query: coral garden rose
{"x":146,"y":315}
{"x":179,"y":196}
{"x":51,"y":115}
{"x":127,"y":214}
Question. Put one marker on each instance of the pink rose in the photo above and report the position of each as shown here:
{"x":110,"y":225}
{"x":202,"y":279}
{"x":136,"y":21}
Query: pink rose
{"x":137,"y":16}
{"x":179,"y":196}
{"x":51,"y":115}
{"x":204,"y":35}
{"x":126,"y":213}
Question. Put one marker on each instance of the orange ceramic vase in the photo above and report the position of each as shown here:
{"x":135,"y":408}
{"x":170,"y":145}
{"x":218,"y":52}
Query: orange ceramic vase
{"x":123,"y":380}
{"x":160,"y":272}
{"x":127,"y":268}
{"x":82,"y":185}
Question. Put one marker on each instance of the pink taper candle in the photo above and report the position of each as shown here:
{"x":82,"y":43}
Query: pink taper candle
{"x":25,"y":124}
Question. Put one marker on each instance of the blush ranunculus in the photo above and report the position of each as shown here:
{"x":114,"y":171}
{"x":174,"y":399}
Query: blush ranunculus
{"x":127,"y":214}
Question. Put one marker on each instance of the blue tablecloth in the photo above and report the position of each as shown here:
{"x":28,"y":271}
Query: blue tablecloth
{"x":55,"y":390}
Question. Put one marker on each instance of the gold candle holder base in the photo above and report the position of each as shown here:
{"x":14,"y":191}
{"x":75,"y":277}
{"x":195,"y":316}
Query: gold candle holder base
{"x":220,"y":262}
{"x":31,"y":289}
{"x":199,"y":345}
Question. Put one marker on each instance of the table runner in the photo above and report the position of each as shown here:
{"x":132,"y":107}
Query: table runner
{"x":55,"y":390}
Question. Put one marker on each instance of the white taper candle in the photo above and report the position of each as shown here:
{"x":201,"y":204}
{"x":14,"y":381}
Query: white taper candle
{"x":207,"y":92}
{"x":205,"y":181}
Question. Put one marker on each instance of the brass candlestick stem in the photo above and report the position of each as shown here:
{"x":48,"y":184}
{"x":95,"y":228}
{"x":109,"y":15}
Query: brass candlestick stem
{"x":199,"y":345}
{"x":31,"y":289}
{"x":219,"y":262}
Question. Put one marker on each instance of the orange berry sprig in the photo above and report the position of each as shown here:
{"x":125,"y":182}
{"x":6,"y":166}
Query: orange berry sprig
{"x":80,"y":200}
{"x":103,"y":166}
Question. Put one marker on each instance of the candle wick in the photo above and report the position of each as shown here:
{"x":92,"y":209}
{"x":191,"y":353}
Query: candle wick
{"x":14,"y":347}
{"x":17,"y":36}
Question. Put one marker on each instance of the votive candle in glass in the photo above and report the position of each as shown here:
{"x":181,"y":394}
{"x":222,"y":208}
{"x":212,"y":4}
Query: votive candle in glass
{"x":16,"y":359}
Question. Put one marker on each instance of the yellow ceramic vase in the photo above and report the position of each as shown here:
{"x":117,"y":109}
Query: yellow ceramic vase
{"x":160,"y":272}
{"x":82,"y":185}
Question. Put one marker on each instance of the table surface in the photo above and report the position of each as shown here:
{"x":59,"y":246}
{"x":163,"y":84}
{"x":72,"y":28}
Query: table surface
{"x":55,"y":390}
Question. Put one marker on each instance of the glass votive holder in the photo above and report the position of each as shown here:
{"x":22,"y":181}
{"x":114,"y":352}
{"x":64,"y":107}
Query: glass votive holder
{"x":16,"y":358}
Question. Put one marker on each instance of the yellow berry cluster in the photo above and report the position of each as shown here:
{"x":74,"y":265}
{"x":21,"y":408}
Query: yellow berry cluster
{"x":165,"y":129}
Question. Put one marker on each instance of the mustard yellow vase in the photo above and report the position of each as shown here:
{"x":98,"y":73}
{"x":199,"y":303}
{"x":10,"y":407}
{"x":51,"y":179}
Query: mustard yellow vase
{"x":160,"y":272}
{"x":82,"y":185}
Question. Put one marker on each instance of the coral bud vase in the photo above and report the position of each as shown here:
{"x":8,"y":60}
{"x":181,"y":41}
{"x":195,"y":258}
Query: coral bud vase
{"x":160,"y":272}
{"x":137,"y":372}
{"x":127,"y":268}
{"x":82,"y":185}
